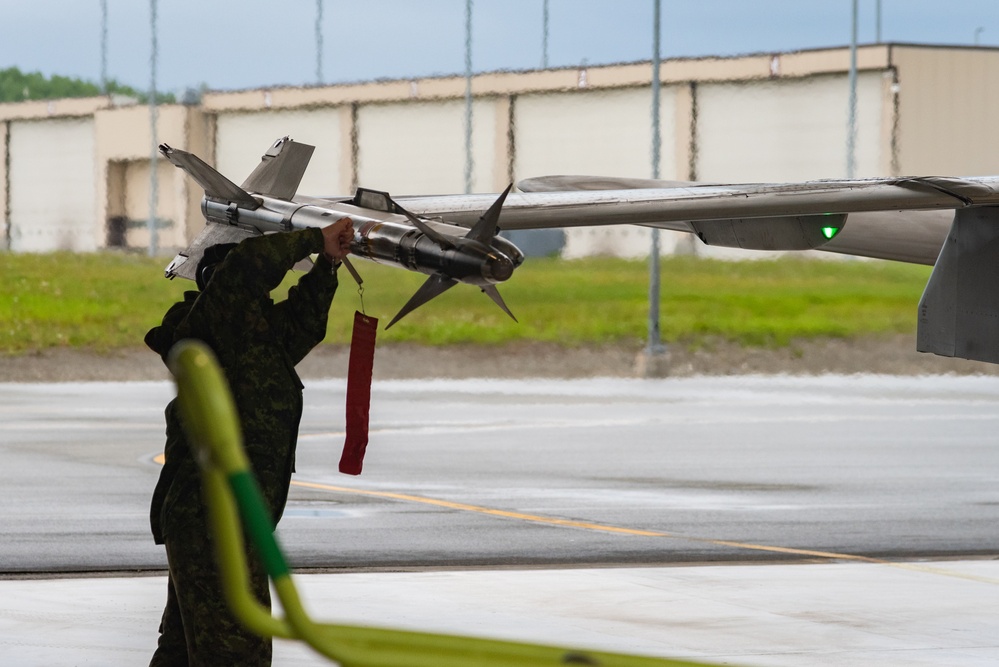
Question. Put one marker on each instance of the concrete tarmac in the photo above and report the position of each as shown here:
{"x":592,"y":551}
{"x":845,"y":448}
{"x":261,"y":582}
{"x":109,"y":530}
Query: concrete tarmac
{"x":891,"y":478}
{"x":941,"y":613}
{"x":485,"y":473}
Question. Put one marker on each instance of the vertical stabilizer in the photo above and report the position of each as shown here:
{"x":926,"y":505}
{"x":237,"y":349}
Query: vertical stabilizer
{"x":957,"y":314}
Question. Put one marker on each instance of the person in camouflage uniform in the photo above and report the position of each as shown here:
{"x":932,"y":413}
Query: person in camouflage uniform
{"x":258,"y":343}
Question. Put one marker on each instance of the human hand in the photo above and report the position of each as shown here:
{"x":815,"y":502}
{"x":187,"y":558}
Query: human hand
{"x":337,"y":238}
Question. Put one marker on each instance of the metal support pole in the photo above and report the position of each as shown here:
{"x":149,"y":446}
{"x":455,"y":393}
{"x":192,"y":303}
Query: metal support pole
{"x":851,"y":121}
{"x":656,"y":92}
{"x":544,"y":35}
{"x":655,"y":346}
{"x":319,"y":42}
{"x":5,"y":239}
{"x":468,"y":96}
{"x":104,"y":47}
{"x":154,"y":154}
{"x":877,"y":24}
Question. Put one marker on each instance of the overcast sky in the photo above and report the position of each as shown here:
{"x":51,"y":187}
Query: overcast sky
{"x":232,"y":44}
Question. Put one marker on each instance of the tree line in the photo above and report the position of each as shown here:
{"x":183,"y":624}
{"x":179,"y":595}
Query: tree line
{"x":18,"y":86}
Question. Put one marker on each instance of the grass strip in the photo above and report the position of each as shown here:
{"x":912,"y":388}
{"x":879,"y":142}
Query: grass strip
{"x":104,"y":301}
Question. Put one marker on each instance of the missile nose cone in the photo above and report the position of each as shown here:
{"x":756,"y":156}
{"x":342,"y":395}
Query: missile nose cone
{"x":499,"y":267}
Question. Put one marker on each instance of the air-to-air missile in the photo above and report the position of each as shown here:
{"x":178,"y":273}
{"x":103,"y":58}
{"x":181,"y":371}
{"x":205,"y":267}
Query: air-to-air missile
{"x":384,"y":231}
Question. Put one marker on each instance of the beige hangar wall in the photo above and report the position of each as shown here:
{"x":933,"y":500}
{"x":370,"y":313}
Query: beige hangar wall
{"x":74,"y":165}
{"x":409,"y":148}
{"x":598,"y":133}
{"x":787,"y":129}
{"x":949,"y":111}
{"x":242,"y":138}
{"x":135,"y":174}
{"x":52,"y":185}
{"x":123,"y":176}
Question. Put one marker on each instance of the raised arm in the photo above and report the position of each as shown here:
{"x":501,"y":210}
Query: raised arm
{"x":301,"y":320}
{"x":238,"y":293}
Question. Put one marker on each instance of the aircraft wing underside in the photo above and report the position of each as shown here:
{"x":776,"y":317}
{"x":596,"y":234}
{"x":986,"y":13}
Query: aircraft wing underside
{"x":904,"y":219}
{"x":898,"y":219}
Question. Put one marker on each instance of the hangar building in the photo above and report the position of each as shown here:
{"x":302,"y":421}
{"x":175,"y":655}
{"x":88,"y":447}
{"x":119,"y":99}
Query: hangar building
{"x":75,"y":173}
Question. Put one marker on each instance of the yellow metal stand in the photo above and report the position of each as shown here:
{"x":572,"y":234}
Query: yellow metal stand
{"x":211,"y":421}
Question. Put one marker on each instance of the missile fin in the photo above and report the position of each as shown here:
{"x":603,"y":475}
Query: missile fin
{"x":280,"y":170}
{"x":185,"y":263}
{"x":435,"y":285}
{"x":485,"y":229}
{"x":443,"y":240}
{"x":215,"y":184}
{"x":494,"y":294}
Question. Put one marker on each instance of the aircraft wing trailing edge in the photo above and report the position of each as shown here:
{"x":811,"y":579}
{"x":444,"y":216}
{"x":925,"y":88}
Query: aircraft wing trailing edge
{"x":950,"y":223}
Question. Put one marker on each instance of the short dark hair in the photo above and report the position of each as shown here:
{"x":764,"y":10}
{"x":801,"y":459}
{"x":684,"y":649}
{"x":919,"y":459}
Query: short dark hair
{"x":211,"y":258}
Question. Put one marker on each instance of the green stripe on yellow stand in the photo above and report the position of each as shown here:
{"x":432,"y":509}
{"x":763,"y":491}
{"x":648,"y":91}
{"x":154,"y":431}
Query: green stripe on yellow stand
{"x":257,"y":521}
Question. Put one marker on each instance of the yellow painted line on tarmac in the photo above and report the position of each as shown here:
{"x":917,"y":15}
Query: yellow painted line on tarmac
{"x":566,"y":523}
{"x":585,"y":525}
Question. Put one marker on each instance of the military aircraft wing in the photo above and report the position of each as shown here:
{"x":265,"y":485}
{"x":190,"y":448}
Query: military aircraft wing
{"x":914,"y":236}
{"x":902,"y":219}
{"x":950,"y":223}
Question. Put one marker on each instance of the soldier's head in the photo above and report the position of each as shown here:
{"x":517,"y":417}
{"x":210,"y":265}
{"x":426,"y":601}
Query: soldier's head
{"x":210,"y":260}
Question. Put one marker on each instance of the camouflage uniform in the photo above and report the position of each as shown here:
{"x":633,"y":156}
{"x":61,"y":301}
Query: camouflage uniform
{"x":258,"y":343}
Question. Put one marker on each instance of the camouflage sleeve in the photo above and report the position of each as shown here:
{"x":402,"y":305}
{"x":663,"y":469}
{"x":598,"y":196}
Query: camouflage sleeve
{"x":243,"y":282}
{"x":258,"y":265}
{"x":301,"y":319}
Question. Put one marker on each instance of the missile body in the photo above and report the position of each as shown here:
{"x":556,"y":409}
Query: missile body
{"x":386,"y":238}
{"x":467,"y":261}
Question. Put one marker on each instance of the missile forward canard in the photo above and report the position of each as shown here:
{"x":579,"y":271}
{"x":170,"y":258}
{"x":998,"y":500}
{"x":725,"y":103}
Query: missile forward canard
{"x":949,"y":223}
{"x":384,"y":231}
